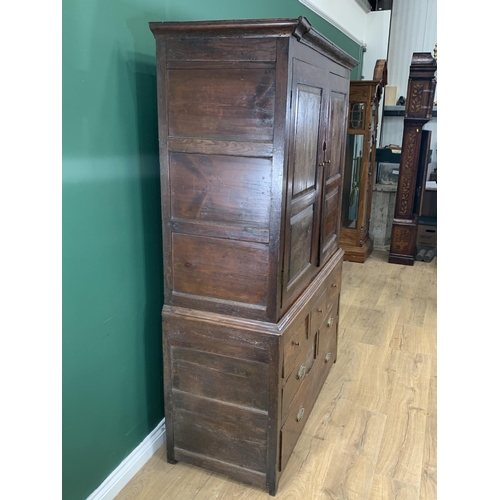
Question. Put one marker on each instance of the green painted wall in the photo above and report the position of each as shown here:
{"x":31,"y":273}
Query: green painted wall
{"x":112,"y":269}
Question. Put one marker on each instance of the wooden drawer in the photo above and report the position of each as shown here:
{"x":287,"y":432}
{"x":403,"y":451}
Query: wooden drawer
{"x":294,"y":345}
{"x":327,"y":339}
{"x":299,"y":413}
{"x":303,"y":365}
{"x":334,"y":283}
{"x":304,"y":401}
{"x":332,"y":304}
{"x":318,"y":312}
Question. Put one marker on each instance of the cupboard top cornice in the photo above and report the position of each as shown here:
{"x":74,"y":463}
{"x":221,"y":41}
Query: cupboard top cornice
{"x":299,"y":28}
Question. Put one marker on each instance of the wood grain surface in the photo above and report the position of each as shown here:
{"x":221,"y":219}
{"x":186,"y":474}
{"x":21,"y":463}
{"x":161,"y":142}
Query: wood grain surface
{"x":372,"y":432}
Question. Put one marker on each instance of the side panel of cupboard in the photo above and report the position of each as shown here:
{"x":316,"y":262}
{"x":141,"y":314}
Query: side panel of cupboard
{"x":219,"y":177}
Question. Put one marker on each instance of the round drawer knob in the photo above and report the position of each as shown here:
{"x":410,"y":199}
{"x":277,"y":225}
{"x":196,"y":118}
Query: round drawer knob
{"x":301,"y":372}
{"x":328,"y":356}
{"x":330,"y":322}
{"x":300,"y":414}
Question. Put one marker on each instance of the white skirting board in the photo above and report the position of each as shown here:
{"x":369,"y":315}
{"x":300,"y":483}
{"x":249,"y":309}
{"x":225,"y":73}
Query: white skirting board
{"x":115,"y":482}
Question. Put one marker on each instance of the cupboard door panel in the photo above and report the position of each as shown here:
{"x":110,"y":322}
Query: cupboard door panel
{"x":306,"y":153}
{"x":330,"y":222}
{"x":338,"y":103}
{"x":307,"y":128}
{"x":301,"y":243}
{"x":334,"y":167}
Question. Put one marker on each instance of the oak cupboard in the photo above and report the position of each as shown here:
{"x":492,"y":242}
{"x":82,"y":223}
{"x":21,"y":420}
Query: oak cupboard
{"x":252,"y":127}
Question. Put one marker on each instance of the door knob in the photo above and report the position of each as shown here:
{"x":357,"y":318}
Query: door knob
{"x":300,"y":414}
{"x":301,"y":372}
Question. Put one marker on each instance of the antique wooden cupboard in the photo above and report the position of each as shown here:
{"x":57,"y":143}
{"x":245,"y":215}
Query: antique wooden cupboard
{"x":252,"y":126}
{"x":362,"y":124}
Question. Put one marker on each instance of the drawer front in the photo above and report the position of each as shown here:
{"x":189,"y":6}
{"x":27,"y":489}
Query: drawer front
{"x":297,"y":417}
{"x":294,"y":345}
{"x":332,"y":305}
{"x":334,"y":283}
{"x":327,"y":340}
{"x":302,"y":367}
{"x":318,"y":311}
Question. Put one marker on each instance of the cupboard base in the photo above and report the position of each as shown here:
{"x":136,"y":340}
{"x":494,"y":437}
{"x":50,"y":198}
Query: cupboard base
{"x":238,"y":392}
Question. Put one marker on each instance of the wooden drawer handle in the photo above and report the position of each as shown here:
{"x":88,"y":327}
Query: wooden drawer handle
{"x":301,"y":372}
{"x":334,"y":285}
{"x":320,"y":310}
{"x":300,"y":414}
{"x":330,"y":322}
{"x":328,"y":356}
{"x":296,"y":343}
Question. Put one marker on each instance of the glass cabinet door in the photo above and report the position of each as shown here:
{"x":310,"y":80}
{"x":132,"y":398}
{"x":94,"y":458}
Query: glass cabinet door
{"x":352,"y":178}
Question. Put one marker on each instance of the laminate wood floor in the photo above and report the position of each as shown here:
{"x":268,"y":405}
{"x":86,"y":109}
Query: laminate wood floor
{"x":372,"y":432}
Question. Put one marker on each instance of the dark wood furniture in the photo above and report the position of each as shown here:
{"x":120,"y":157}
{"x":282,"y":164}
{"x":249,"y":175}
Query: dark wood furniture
{"x":419,"y":102}
{"x":252,"y":127}
{"x":362,"y":124}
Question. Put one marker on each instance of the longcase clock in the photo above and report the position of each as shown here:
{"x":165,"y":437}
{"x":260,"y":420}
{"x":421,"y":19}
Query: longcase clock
{"x":419,"y":102}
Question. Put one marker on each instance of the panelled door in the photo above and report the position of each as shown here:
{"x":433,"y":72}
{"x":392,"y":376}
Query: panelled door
{"x":334,"y":166}
{"x":306,"y":155}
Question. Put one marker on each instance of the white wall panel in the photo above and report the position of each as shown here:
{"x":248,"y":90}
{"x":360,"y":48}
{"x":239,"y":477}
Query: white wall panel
{"x":359,"y":23}
{"x":376,"y":39}
{"x":346,"y":15}
{"x":377,"y":44}
{"x":413,"y":29}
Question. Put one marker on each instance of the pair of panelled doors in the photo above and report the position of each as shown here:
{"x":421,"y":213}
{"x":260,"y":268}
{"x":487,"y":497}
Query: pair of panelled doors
{"x":316,"y":153}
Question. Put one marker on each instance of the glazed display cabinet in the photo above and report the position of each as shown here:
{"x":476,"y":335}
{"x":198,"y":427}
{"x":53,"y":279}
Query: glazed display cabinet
{"x":364,"y":99}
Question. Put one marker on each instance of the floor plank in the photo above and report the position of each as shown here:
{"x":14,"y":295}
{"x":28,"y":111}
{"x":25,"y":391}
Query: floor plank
{"x":403,"y":444}
{"x":384,"y":488}
{"x":428,"y":484}
{"x":372,"y":433}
